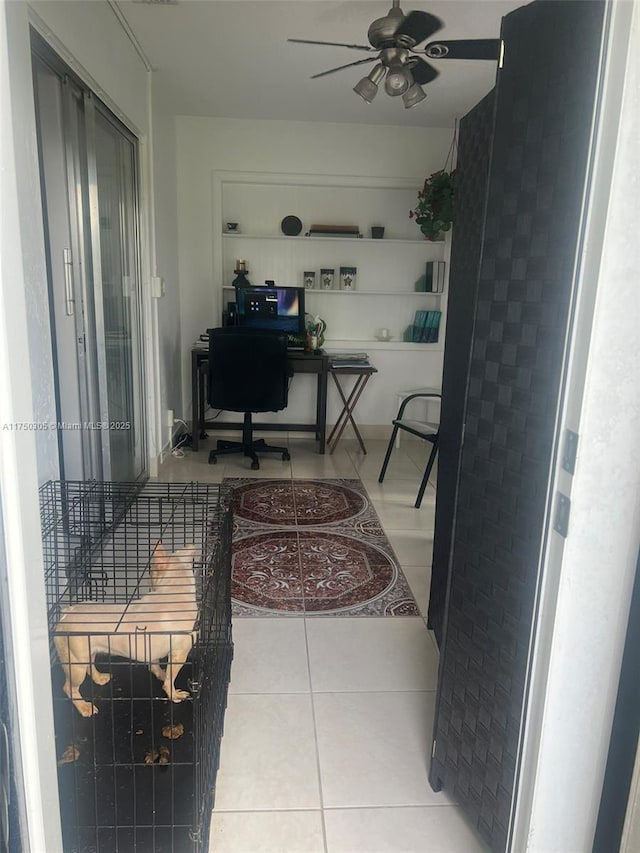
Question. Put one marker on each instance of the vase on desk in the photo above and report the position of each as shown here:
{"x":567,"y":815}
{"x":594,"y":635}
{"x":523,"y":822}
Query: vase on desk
{"x":320,"y":329}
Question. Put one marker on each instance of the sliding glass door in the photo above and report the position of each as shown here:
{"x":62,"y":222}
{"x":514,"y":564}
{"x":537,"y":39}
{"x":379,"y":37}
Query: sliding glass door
{"x":88,"y":164}
{"x":118,"y":312}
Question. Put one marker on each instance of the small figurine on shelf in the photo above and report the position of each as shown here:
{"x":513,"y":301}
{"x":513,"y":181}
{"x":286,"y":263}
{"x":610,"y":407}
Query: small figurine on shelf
{"x":241,"y":279}
{"x":326,"y":277}
{"x":348,"y":278}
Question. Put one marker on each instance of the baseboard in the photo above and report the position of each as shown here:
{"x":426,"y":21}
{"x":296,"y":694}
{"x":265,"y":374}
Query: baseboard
{"x":154,"y":465}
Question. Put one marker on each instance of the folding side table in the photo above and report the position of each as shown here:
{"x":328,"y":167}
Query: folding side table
{"x":362,"y":375}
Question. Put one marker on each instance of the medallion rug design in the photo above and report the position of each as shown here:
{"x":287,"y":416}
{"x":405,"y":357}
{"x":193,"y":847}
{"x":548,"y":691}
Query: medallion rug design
{"x":312,"y":547}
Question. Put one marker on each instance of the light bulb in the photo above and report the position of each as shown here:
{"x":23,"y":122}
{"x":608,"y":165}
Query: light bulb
{"x":397,"y":81}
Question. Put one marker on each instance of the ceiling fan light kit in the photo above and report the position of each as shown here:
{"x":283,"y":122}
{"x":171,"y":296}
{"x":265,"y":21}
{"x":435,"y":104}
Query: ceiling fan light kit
{"x":398,"y":77}
{"x":367,"y":88}
{"x":401,"y":65}
{"x":413,"y":96}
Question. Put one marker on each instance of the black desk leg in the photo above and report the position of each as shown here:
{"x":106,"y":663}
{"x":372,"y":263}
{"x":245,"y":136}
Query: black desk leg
{"x":321,"y":411}
{"x":195,"y":401}
{"x":202,"y":391}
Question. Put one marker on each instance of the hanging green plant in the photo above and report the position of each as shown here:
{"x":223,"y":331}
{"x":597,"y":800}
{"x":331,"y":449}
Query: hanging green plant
{"x":435,"y":209}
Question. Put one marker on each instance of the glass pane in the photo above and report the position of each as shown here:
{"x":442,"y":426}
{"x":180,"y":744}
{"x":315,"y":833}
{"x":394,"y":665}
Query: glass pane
{"x":62,"y":154}
{"x":115,"y":166}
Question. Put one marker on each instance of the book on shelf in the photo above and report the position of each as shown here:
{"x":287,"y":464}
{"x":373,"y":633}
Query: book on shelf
{"x":419,"y":323}
{"x":432,"y":327}
{"x":333,"y":234}
{"x":434,"y":276}
{"x":333,"y":231}
{"x":425,"y":327}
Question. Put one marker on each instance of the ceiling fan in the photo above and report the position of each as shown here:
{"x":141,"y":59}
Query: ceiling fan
{"x":404,"y":68}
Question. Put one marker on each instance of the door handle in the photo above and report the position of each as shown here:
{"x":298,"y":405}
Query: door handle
{"x":68,"y":281}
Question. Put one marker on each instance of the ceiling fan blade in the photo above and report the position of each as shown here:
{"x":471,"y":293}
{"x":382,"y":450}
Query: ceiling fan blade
{"x":422,"y":72}
{"x":416,"y":27}
{"x":340,"y":67}
{"x":464,"y":49}
{"x":333,"y":44}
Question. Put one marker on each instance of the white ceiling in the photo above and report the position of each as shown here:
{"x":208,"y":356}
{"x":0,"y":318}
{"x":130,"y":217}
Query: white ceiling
{"x":230,"y":58}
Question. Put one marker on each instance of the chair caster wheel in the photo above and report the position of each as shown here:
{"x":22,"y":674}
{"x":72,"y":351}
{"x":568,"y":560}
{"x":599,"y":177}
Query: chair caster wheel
{"x":285,"y":456}
{"x":255,"y":466}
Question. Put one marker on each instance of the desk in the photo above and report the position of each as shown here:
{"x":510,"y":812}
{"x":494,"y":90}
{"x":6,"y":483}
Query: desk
{"x":362,"y":373}
{"x":300,"y":362}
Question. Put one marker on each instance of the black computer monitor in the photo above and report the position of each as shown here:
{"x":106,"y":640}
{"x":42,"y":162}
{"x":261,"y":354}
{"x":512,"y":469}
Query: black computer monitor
{"x":280,"y":308}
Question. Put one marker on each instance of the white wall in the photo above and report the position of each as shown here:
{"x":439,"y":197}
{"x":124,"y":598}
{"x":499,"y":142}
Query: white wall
{"x":166,"y":236}
{"x":40,"y":377}
{"x":88,"y":35}
{"x":589,"y":576}
{"x":21,"y":269}
{"x":303,"y":148}
{"x":92,"y":41}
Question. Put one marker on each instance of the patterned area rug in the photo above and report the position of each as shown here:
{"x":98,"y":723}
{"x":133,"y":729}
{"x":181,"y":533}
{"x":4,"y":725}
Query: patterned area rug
{"x":312,"y":547}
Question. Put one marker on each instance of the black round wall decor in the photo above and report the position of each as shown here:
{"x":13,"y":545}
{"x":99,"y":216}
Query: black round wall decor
{"x":291,"y":226}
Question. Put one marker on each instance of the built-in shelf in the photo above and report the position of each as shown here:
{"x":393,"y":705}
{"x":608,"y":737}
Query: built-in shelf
{"x":313,"y":290}
{"x":299,"y":239}
{"x":388,"y":268}
{"x":371,"y":344}
{"x":371,"y":292}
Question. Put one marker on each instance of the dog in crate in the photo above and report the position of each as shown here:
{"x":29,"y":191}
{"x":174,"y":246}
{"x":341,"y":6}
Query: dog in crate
{"x":157,"y":625}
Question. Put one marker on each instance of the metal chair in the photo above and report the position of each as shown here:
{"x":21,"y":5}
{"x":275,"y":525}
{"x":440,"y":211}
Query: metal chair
{"x":421,"y":429}
{"x":248,"y":372}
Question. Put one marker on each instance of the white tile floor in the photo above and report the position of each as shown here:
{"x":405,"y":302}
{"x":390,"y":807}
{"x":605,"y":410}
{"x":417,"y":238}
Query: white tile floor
{"x":328,"y":725}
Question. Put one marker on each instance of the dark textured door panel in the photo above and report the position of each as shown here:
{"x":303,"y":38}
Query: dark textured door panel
{"x":472,"y":173}
{"x":545,"y":99}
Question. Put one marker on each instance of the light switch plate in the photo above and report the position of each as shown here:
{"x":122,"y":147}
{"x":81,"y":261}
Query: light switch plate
{"x":157,"y":286}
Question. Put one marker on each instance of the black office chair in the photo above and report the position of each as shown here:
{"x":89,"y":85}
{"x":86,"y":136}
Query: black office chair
{"x":422,"y":429}
{"x":248,"y":372}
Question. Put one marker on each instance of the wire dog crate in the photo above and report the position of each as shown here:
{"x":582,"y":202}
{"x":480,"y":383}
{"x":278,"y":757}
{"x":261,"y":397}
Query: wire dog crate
{"x":139,"y":596}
